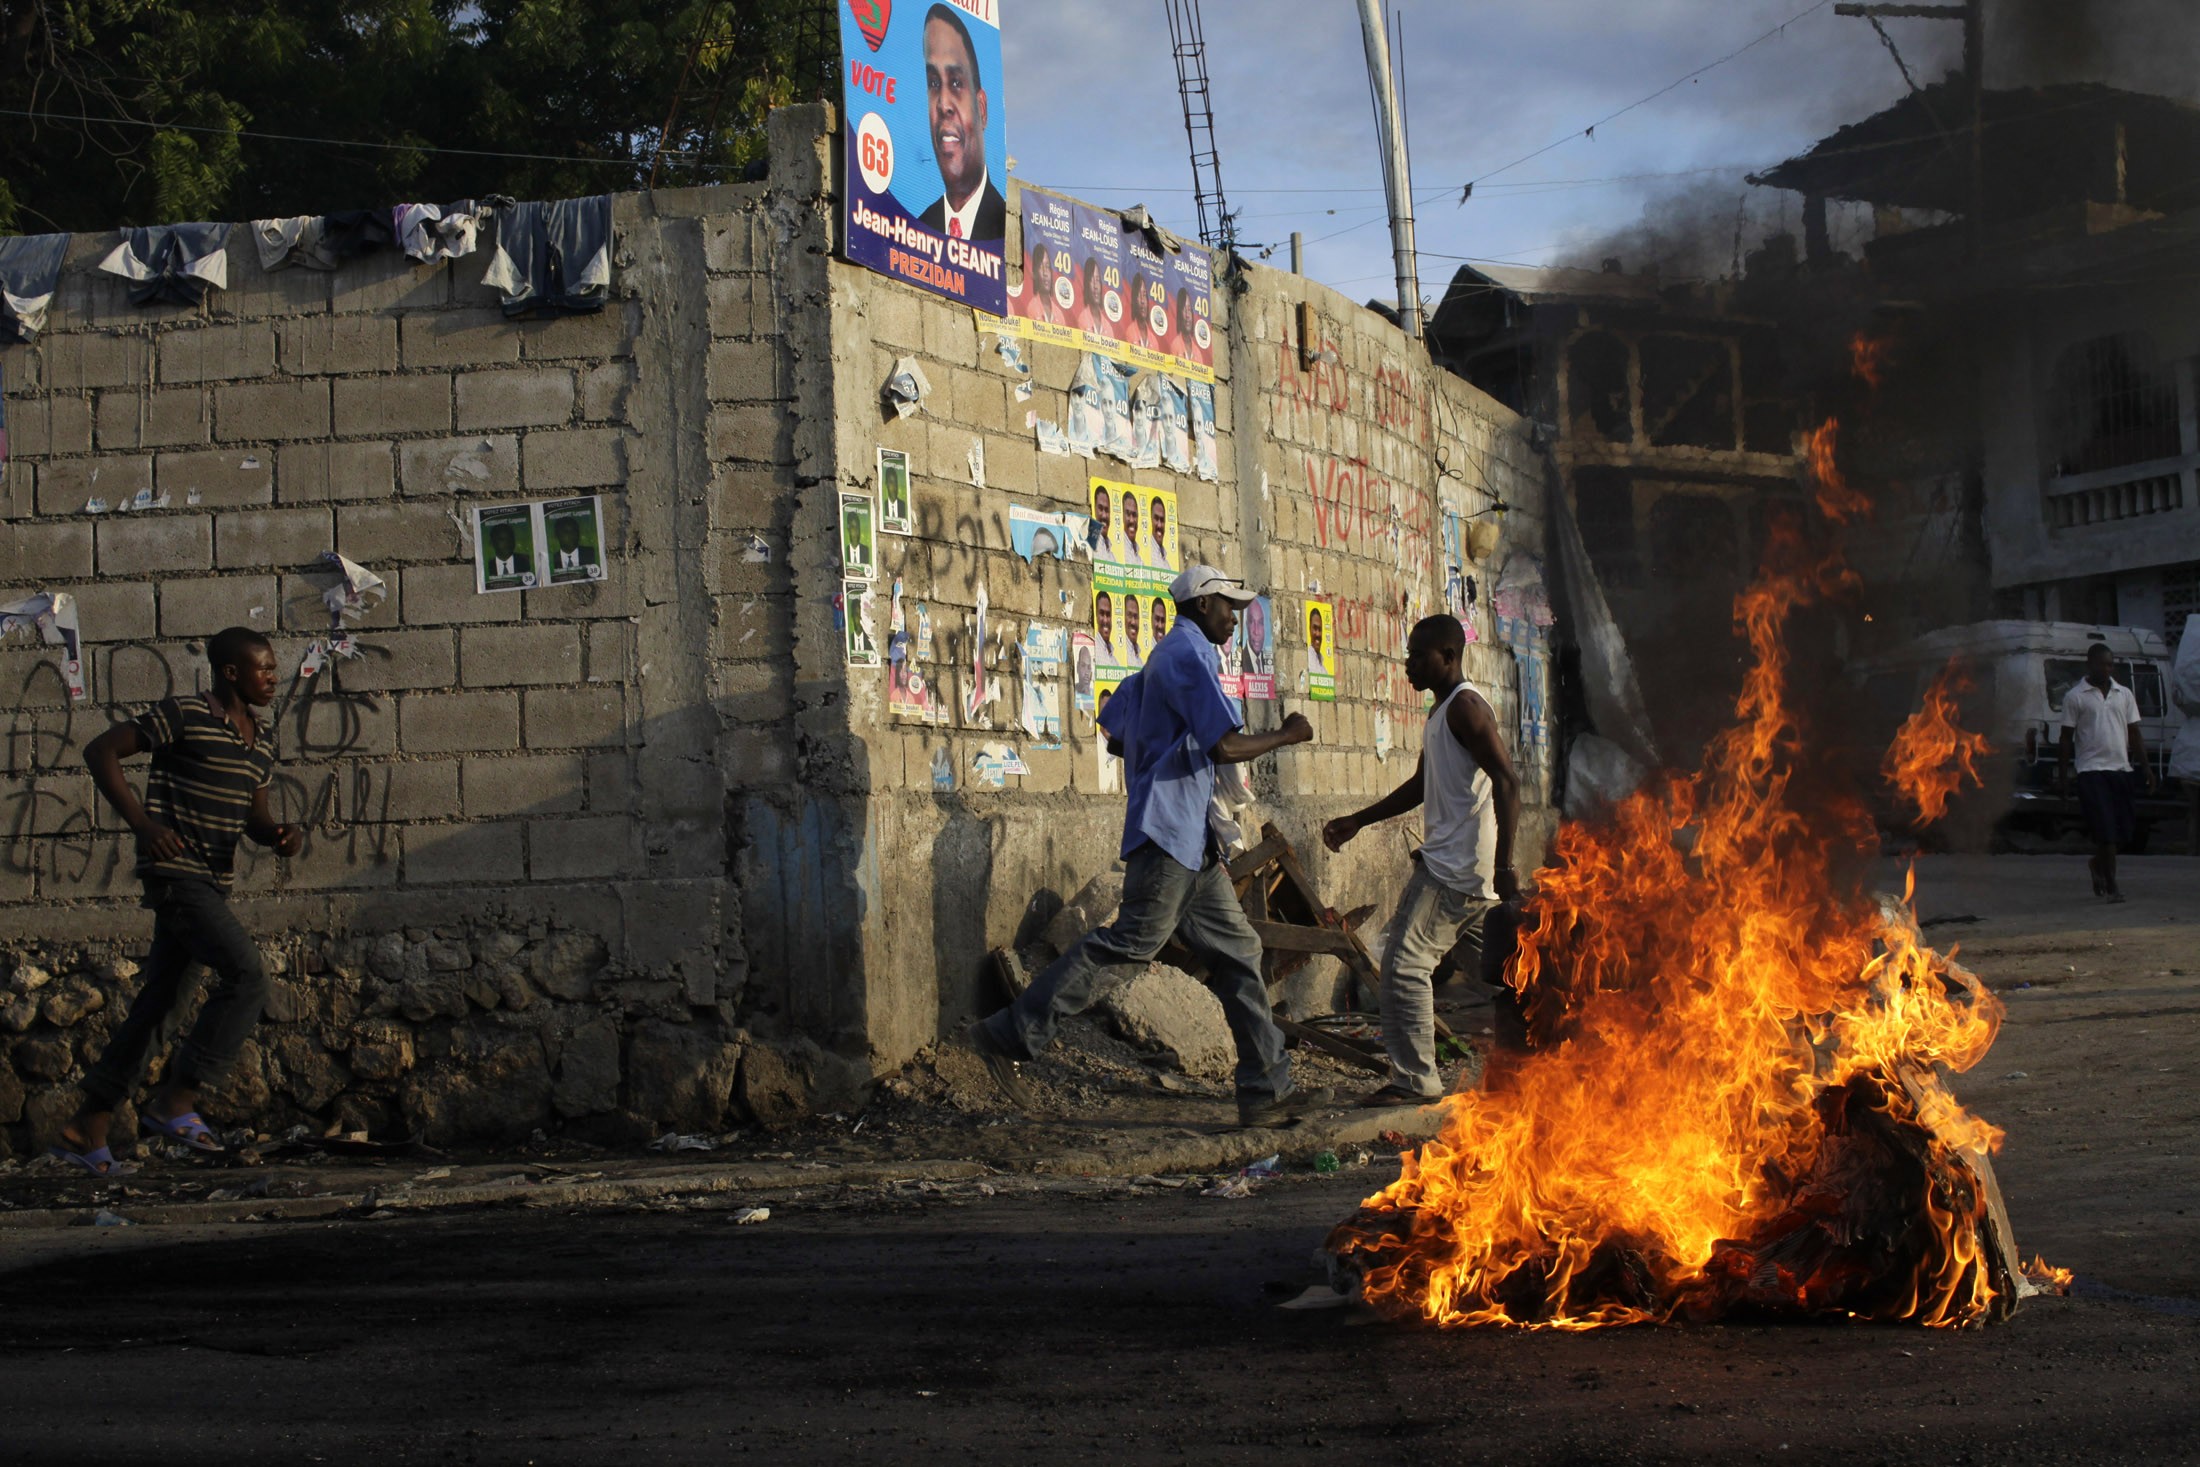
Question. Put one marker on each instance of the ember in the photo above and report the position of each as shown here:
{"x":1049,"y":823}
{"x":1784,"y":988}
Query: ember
{"x":1733,"y":1098}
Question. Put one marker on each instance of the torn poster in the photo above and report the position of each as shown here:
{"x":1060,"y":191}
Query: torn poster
{"x":1147,"y":393}
{"x":1201,"y":397}
{"x":896,"y":511}
{"x":1033,"y":533}
{"x":1087,"y":422}
{"x":943,"y":770}
{"x":53,"y":613}
{"x":906,"y":387}
{"x":980,"y":691}
{"x":1045,"y":649}
{"x":354,"y":592}
{"x":1176,"y":427}
{"x":861,"y":635}
{"x":977,"y":463}
{"x":858,"y":541}
{"x":757,"y":552}
{"x":1084,"y":660}
{"x":994,"y":763}
{"x":1109,"y":767}
{"x":924,"y":632}
{"x":908,"y":690}
{"x":1051,"y":439}
{"x":1382,"y":735}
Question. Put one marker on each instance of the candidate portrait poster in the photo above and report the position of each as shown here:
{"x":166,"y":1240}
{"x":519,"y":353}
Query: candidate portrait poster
{"x":1091,"y":282}
{"x":927,"y":147}
{"x":1134,"y":541}
{"x":1321,"y":652}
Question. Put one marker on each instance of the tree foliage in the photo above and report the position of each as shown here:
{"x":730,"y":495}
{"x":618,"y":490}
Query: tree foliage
{"x":147,"y":111}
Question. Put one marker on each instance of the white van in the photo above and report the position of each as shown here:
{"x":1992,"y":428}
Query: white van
{"x":2019,"y":671}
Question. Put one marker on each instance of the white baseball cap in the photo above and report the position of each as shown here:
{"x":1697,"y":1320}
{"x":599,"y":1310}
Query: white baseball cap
{"x":1205,"y":580}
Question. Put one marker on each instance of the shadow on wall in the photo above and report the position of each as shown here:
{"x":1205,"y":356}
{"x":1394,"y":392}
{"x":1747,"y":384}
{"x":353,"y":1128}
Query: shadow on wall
{"x":459,"y":976}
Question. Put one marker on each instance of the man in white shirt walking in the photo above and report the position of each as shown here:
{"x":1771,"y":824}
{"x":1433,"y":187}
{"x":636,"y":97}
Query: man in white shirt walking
{"x":2101,"y":736}
{"x":1470,"y":799}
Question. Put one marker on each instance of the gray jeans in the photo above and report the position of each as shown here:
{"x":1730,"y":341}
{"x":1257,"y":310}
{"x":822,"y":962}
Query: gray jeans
{"x":1431,"y":919}
{"x":192,"y":924}
{"x":1162,"y":899}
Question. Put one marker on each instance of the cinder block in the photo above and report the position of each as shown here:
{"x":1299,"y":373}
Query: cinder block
{"x":578,"y":458}
{"x":611,"y":781}
{"x":419,"y":789}
{"x":950,"y":334}
{"x":151,"y":543}
{"x":355,"y":860}
{"x":735,"y":309}
{"x":221,"y":477}
{"x":152,"y":418}
{"x":586,"y":600}
{"x":395,"y":661}
{"x":759,"y":433}
{"x":526,"y":784}
{"x":387,"y":280}
{"x":397,"y":533}
{"x":84,"y":359}
{"x":608,"y":643}
{"x":112,"y":611}
{"x":74,"y":868}
{"x":481,"y":852}
{"x":895,"y":319}
{"x":133,"y":674}
{"x":484,"y":464}
{"x":537,"y":398}
{"x":66,"y":485}
{"x":729,"y":243}
{"x":575,"y":718}
{"x":316,"y":346}
{"x":414,"y":404}
{"x":744,"y":500}
{"x":458,"y":339}
{"x":46,"y":425}
{"x":580,"y":850}
{"x":256,"y":294}
{"x":337,"y":722}
{"x":444,"y":595}
{"x":595,"y":337}
{"x":270,"y":411}
{"x":604,"y":391}
{"x":756,"y":757}
{"x":200,"y":607}
{"x":746,"y":371}
{"x":18,"y":489}
{"x":519,"y":656}
{"x":458,"y":723}
{"x":217,"y":353}
{"x":310,"y":472}
{"x":46,"y":550}
{"x":272,"y":537}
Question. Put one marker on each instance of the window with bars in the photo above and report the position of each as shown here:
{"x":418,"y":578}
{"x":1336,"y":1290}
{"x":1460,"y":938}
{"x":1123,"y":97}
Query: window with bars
{"x":2180,"y":599}
{"x":2114,"y":404}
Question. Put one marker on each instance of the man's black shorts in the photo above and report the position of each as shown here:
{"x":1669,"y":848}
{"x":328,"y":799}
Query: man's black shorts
{"x":2104,"y":796}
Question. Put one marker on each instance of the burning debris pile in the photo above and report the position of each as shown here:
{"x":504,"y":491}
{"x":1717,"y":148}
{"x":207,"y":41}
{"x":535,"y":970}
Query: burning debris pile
{"x":1733,"y":1098}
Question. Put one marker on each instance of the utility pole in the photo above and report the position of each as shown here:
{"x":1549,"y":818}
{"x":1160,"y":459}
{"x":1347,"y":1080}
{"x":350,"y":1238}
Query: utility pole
{"x":1973,"y":16}
{"x":1397,"y":177}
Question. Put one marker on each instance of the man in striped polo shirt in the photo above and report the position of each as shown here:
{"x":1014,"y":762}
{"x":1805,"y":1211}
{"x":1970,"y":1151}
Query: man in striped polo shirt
{"x":212,"y":758}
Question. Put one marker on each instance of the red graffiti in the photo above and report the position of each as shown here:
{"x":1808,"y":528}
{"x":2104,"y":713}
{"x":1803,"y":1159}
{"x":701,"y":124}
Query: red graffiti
{"x":1394,"y":400}
{"x":1325,"y":386}
{"x":1355,"y":507}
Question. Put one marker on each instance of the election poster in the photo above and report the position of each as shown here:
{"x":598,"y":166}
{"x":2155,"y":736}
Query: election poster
{"x":1249,"y":658}
{"x":1321,"y":652}
{"x":1094,"y":283}
{"x":1133,"y":537}
{"x":927,"y":145}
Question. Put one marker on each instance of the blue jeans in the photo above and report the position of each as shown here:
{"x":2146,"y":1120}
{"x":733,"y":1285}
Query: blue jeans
{"x":1162,"y":899}
{"x":192,"y":924}
{"x":1431,"y":919}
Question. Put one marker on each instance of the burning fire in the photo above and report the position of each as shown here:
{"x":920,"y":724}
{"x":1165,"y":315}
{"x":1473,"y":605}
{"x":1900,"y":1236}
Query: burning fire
{"x":1837,"y":499}
{"x":1868,"y":358}
{"x":1930,"y":756}
{"x":1733,"y":1096}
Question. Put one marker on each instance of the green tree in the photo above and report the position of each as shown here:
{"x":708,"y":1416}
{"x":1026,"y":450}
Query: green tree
{"x":146,"y":111}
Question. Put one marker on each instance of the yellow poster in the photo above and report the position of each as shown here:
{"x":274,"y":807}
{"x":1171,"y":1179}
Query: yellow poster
{"x":1321,"y":652}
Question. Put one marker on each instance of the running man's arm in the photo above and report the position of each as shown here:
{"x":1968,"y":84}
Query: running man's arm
{"x":262,"y":826}
{"x":1400,"y":800}
{"x":104,"y":756}
{"x":1472,"y":723}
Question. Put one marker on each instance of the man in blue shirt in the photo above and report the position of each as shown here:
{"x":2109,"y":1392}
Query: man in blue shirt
{"x":1172,"y":724}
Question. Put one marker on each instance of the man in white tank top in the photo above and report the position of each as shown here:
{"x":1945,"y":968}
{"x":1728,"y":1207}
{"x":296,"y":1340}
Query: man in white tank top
{"x":1470,"y":803}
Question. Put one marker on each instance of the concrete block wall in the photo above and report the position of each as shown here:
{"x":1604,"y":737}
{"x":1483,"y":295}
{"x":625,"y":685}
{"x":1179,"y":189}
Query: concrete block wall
{"x":1329,"y":483}
{"x":526,"y":792}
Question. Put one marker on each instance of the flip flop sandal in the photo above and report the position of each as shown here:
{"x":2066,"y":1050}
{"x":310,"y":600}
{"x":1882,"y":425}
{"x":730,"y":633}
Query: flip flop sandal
{"x":187,"y":1129}
{"x":98,"y":1162}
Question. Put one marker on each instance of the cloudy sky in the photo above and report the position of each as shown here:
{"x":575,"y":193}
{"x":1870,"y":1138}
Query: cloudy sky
{"x":1093,"y":110}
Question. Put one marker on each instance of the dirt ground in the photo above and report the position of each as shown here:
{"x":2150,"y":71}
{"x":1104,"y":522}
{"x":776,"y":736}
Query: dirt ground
{"x":1021,"y":1317}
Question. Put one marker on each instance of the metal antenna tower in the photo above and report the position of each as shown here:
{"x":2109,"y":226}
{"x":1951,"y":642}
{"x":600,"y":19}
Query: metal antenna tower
{"x":1188,"y":41}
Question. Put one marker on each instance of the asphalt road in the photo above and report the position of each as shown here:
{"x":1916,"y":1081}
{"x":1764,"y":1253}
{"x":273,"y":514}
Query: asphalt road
{"x":1069,"y":1326}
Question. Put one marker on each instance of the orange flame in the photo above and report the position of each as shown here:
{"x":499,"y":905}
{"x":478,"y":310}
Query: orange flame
{"x":1931,"y":757}
{"x":2047,"y":1276}
{"x":1734,"y":1095}
{"x":1837,"y":500}
{"x":1868,"y":358}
